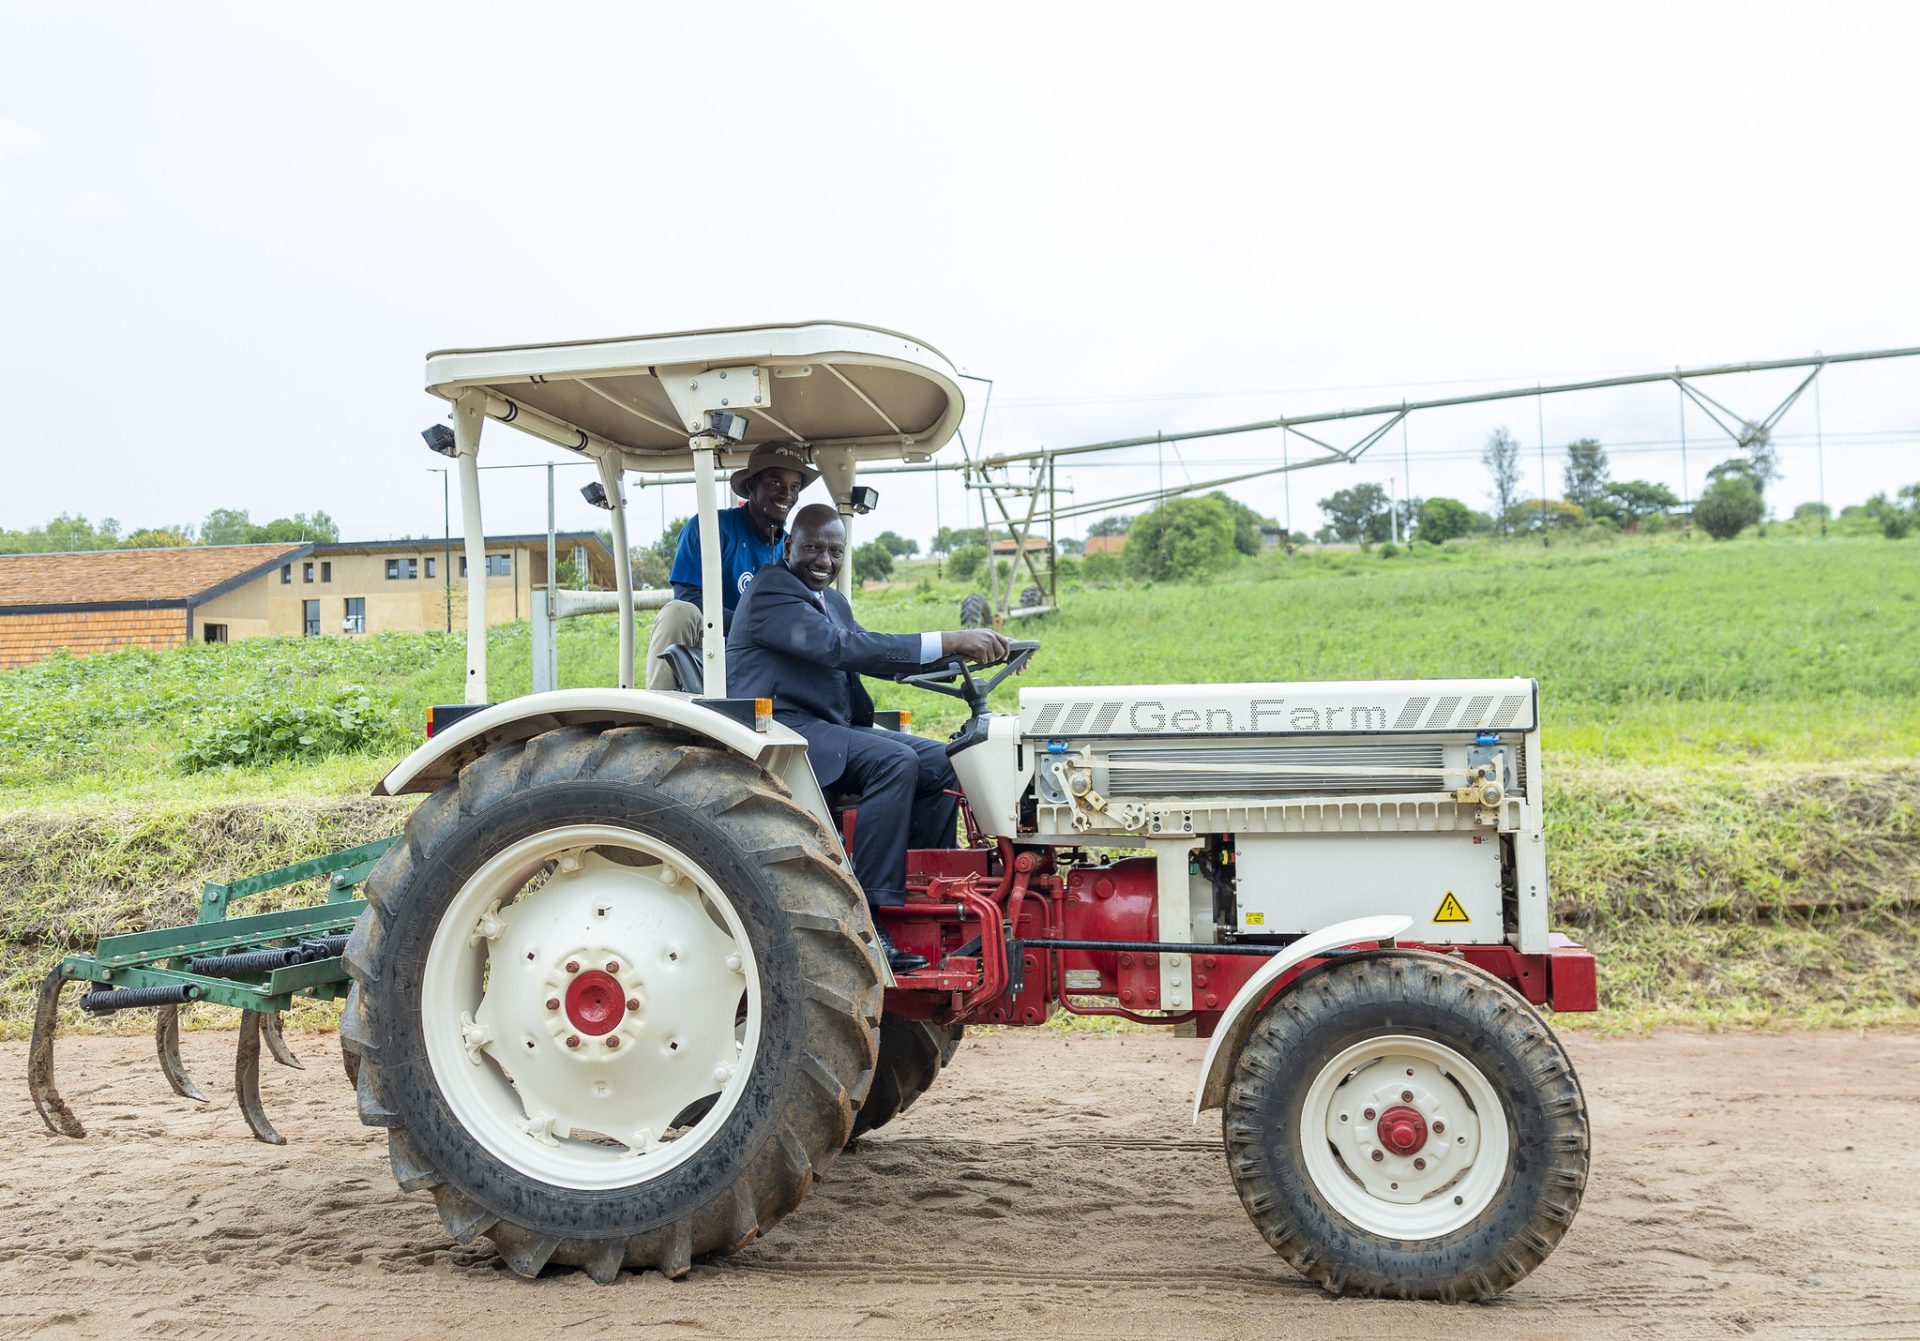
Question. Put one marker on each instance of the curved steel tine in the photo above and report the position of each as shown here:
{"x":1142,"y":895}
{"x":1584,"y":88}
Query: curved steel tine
{"x":46,"y":1019}
{"x":166,"y":1042}
{"x":246,"y":1079}
{"x":277,"y":1042}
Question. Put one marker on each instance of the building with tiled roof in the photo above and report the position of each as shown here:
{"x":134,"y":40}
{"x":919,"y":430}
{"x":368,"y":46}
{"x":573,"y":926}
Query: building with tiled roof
{"x":99,"y":600}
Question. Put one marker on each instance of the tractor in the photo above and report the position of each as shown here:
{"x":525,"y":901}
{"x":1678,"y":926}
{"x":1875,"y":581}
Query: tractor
{"x":614,"y":994}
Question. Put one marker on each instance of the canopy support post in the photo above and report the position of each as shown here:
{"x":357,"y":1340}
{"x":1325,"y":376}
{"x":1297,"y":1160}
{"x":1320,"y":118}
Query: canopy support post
{"x":713,"y":642}
{"x":469,"y":413}
{"x":611,"y":479}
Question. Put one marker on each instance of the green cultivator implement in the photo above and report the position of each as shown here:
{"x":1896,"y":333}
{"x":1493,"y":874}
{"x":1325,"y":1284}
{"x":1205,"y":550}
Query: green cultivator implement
{"x":257,"y":964}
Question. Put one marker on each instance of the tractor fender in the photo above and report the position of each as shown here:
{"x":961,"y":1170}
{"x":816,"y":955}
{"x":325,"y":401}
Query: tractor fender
{"x":1244,"y":1010}
{"x":779,"y":749}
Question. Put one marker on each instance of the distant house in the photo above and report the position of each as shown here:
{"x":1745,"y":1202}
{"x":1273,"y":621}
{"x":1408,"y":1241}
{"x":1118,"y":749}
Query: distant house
{"x":1105,"y":544}
{"x":100,"y":600}
{"x":1005,"y":546}
{"x":1273,"y":537}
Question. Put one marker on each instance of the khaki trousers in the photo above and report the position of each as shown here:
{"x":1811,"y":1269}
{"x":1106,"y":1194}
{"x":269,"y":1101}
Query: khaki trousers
{"x":679,"y":622}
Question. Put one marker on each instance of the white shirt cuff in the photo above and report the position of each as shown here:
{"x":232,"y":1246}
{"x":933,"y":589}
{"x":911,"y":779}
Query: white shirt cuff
{"x":929,"y":647}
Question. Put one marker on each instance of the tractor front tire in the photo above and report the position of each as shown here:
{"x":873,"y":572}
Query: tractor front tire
{"x":913,"y":1053}
{"x":614,"y":1001}
{"x":976,"y":612}
{"x":1402,"y":1125}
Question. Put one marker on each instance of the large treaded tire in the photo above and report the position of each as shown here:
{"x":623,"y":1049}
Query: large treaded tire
{"x":975,"y":612}
{"x":1032,"y":596}
{"x":913,"y":1053}
{"x":820,"y":998}
{"x":1424,"y":996}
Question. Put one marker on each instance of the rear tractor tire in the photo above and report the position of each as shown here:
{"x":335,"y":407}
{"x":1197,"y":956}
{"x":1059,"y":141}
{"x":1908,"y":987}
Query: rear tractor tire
{"x":913,"y":1053}
{"x":614,"y":1001}
{"x":1402,"y":1125}
{"x":1032,"y":596}
{"x":975,"y":612}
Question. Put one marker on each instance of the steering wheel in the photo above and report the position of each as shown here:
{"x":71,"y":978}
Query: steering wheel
{"x":956,"y":678}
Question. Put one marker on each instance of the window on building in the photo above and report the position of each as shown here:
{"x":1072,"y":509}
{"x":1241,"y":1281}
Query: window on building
{"x":402,"y":570}
{"x":213,"y":633}
{"x":429,"y":567}
{"x":326,"y":570}
{"x":498,"y":565}
{"x":306,"y":572}
{"x":286,"y":574}
{"x":356,"y":620}
{"x":310,"y":619}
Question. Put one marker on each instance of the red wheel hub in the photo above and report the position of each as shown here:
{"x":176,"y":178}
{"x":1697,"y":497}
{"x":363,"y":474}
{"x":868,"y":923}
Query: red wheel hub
{"x":1402,"y":1130}
{"x":596,"y":1002}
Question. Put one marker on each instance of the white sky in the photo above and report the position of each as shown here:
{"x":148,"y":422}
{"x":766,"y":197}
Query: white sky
{"x":229,"y":233}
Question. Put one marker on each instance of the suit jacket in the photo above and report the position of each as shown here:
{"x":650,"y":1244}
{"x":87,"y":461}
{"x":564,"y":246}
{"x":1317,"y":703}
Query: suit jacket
{"x":807,"y":654}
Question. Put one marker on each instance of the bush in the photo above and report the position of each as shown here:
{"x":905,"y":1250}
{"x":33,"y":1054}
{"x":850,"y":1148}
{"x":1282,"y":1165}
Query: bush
{"x":1389,"y":550}
{"x":872,"y":562}
{"x":1101,"y":567}
{"x":348,"y":721}
{"x":1182,"y":539}
{"x":1443,"y":519}
{"x":1729,"y":506}
{"x":965,"y":561}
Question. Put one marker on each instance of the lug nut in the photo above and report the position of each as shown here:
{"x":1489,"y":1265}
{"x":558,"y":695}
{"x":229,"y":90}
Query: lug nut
{"x":1418,"y":1163}
{"x":1368,"y":1115}
{"x":573,"y":966}
{"x":1439,"y":1127}
{"x":573,"y":1040}
{"x":613,"y":1040}
{"x":613,"y":966}
{"x":1406,"y":1096}
{"x":553,"y":1003}
{"x":633,"y":1003}
{"x":1377,"y":1157}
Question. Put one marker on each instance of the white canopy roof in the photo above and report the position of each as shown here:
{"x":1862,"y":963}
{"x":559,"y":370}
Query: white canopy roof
{"x":883,"y":394}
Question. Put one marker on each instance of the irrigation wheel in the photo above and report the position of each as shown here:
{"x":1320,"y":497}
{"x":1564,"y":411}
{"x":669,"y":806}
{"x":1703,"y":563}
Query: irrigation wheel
{"x":976,"y":612}
{"x":614,"y":1000}
{"x":1403,"y":1125}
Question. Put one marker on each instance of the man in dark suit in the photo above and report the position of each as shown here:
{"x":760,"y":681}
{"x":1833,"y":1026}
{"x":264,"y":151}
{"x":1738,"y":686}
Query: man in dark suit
{"x":794,"y":640}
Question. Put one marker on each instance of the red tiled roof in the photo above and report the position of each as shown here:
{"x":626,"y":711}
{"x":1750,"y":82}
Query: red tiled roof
{"x":28,"y":638}
{"x":110,"y":576}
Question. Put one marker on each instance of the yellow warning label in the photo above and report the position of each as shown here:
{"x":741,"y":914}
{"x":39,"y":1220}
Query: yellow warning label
{"x":1256,"y":919}
{"x":1451,"y":911}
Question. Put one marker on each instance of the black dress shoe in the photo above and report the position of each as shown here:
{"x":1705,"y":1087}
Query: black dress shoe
{"x":897,"y":959}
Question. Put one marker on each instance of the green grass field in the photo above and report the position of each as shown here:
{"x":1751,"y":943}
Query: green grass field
{"x":1730,"y":732}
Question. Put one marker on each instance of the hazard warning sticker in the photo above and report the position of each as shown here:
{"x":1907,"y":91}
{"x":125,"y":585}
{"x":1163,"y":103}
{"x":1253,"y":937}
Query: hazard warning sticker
{"x":1451,"y":911}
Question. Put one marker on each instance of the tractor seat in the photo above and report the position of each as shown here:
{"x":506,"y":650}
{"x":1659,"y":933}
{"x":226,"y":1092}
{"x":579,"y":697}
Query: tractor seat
{"x":687,"y":670}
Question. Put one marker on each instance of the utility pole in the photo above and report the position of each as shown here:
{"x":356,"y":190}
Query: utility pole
{"x":446,"y":539}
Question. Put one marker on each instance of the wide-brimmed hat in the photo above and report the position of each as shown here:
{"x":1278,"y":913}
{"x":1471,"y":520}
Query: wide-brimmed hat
{"x":768,"y":455}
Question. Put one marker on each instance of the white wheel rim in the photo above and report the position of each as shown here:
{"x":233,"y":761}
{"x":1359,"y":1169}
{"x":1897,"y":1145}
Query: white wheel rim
{"x":617,"y":907}
{"x":1371,"y":1171}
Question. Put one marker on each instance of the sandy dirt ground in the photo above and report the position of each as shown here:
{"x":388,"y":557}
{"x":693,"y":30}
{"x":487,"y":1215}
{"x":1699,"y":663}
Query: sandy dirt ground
{"x":1048,"y":1186}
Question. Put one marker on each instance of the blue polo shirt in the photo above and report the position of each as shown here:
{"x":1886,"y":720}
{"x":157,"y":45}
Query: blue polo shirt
{"x":741,"y":554}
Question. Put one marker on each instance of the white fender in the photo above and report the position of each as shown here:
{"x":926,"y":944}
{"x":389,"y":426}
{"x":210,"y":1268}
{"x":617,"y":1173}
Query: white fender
{"x":1242,"y":1012}
{"x":779,"y":749}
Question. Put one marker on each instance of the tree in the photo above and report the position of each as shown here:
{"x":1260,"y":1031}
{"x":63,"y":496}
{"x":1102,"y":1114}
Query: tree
{"x":898,"y":546}
{"x":232,"y":526}
{"x":872,"y":562}
{"x":1180,"y":540}
{"x":1729,"y":505}
{"x":63,"y":534}
{"x":1741,"y":468}
{"x":948,"y":539}
{"x":1533,"y":515}
{"x":1068,"y":545}
{"x":1358,"y":514}
{"x":1111,"y":526}
{"x":1813,"y":512}
{"x":965,"y":561}
{"x":1501,"y":457}
{"x":1586,"y":474}
{"x":225,"y":526}
{"x":1443,"y":519}
{"x":1628,"y":502}
{"x":159,"y":537}
{"x":1246,"y":523}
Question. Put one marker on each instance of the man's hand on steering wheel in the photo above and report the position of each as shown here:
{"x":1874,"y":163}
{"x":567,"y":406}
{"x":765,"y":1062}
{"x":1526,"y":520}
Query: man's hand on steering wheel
{"x":982,"y":647}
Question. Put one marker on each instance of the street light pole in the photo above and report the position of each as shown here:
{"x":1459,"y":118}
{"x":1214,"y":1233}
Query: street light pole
{"x":446,"y":538}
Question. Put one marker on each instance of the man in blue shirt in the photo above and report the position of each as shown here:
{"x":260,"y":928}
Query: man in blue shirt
{"x":751,"y":536}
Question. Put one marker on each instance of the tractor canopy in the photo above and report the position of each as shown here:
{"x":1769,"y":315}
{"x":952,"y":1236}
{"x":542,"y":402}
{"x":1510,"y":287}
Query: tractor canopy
{"x":825,"y":384}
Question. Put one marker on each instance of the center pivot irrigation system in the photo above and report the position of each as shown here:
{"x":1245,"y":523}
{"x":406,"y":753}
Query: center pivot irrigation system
{"x":615,"y":995}
{"x":1017,"y":482}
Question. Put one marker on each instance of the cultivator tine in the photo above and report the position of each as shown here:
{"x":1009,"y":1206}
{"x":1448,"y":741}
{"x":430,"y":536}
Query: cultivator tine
{"x":166,"y":1042}
{"x":277,"y":1043}
{"x":46,"y":1018}
{"x":246,"y":1079}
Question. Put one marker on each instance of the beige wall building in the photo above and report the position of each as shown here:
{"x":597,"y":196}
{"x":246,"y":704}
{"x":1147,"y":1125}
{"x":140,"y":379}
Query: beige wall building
{"x":106,"y":599}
